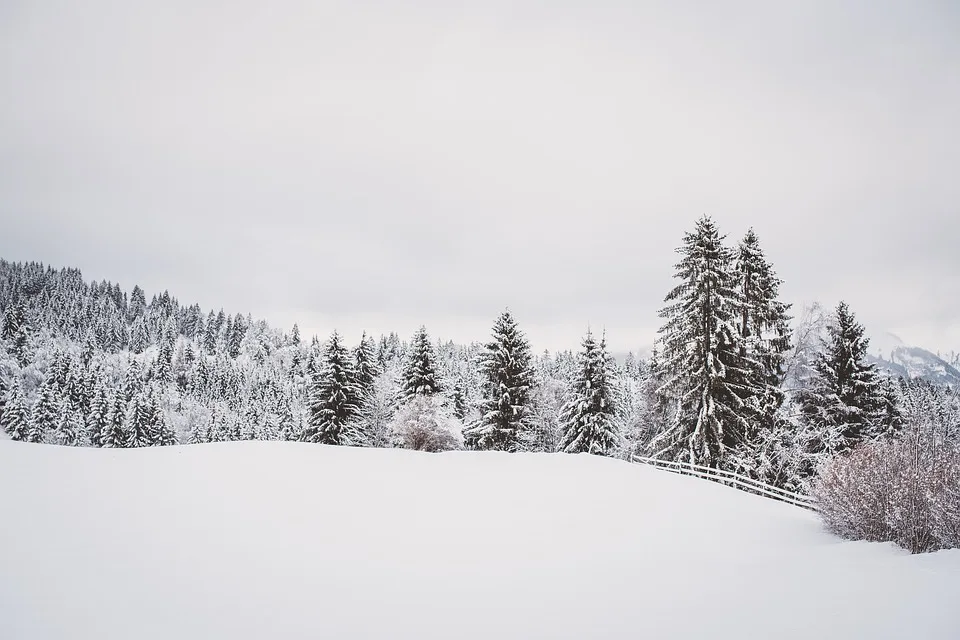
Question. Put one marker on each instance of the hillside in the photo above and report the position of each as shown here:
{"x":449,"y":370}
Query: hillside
{"x":288,"y":540}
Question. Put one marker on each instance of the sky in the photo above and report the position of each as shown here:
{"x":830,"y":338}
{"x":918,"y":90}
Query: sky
{"x":379,"y":165}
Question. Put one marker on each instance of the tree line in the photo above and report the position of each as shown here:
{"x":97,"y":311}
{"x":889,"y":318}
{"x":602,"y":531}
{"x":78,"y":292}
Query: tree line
{"x":734,"y":381}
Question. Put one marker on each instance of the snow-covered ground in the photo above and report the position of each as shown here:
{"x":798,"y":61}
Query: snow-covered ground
{"x":286,"y":540}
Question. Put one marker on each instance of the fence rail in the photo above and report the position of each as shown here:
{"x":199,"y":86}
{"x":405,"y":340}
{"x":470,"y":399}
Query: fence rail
{"x":731,"y":479}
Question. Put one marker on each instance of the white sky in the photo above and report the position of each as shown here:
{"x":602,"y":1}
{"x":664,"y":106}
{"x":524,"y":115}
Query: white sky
{"x":377,"y":166}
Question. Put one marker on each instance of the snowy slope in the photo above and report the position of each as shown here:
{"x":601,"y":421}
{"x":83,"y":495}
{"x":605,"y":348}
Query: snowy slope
{"x":285,"y":540}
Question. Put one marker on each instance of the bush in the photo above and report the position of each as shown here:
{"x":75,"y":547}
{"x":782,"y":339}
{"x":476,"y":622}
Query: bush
{"x":905,"y":491}
{"x":425,"y":423}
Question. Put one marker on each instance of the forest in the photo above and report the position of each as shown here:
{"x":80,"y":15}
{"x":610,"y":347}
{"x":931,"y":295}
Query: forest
{"x":738,"y":380}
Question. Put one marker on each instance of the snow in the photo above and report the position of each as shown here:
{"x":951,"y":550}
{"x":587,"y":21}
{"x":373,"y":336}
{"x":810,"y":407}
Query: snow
{"x":290,"y":540}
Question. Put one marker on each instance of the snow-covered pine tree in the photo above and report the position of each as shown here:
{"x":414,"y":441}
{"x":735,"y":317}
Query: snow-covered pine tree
{"x":587,"y":417}
{"x":334,"y":397}
{"x":764,"y":331}
{"x":845,"y":401}
{"x":114,"y":435}
{"x":419,"y":376}
{"x":700,"y":363}
{"x":507,"y":381}
{"x":98,"y":419}
{"x":46,"y":411}
{"x":163,"y":433}
{"x":13,"y":319}
{"x":69,"y":427}
{"x":366,"y":367}
{"x":15,"y":420}
{"x":140,"y":421}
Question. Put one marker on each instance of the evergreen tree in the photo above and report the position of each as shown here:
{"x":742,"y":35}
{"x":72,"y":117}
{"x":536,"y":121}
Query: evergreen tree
{"x":420,"y":373}
{"x":15,"y":420}
{"x":46,"y":412}
{"x":295,"y":335}
{"x":508,"y":377}
{"x":139,"y":336}
{"x":14,"y":319}
{"x":587,"y":417}
{"x":98,"y":419}
{"x":115,"y":434}
{"x":764,"y":328}
{"x":366,"y":367}
{"x":67,"y":432}
{"x":334,"y":397}
{"x":163,"y":433}
{"x":845,"y":401}
{"x":704,"y":372}
{"x":140,"y":421}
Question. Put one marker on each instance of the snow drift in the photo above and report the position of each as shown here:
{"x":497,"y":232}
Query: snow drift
{"x":286,"y":540}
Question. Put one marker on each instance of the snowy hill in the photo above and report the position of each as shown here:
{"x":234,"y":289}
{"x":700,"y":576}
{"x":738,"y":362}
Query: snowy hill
{"x":286,"y":540}
{"x":889,"y":352}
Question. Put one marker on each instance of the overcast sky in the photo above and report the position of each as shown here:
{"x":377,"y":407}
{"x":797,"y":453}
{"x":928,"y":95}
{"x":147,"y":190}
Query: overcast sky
{"x":377,"y":166}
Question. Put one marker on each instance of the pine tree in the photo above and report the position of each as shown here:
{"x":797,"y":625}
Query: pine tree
{"x":295,"y":335}
{"x":704,"y":373}
{"x":140,"y":422}
{"x":163,"y":433}
{"x":115,"y":434}
{"x":845,"y":401}
{"x":46,"y":412}
{"x":508,"y":377}
{"x":15,"y":420}
{"x":366,"y":367}
{"x":764,"y":332}
{"x":587,"y":417}
{"x":98,"y":419}
{"x":13,"y":319}
{"x":334,"y":397}
{"x":69,"y":427}
{"x":420,"y":374}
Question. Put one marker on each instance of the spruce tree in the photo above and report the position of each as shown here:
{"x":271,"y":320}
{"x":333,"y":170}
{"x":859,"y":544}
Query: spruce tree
{"x":115,"y":435}
{"x":334,"y":397}
{"x":98,"y":419}
{"x":845,"y":402}
{"x":15,"y":420}
{"x":140,"y":422}
{"x":701,"y":364}
{"x":587,"y":417}
{"x":13,"y":319}
{"x":507,"y":380}
{"x":764,"y":331}
{"x":366,"y":367}
{"x":69,"y":427}
{"x":419,"y":376}
{"x":46,"y":412}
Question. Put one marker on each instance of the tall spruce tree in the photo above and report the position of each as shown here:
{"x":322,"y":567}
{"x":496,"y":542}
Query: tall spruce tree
{"x":15,"y":420}
{"x":704,"y":372}
{"x":98,"y":419}
{"x":69,"y":427}
{"x":587,"y":417}
{"x":115,"y":434}
{"x":845,"y":402}
{"x":366,"y":367}
{"x":45,"y":412}
{"x":420,"y":373}
{"x":140,"y":421}
{"x":507,"y":381}
{"x":334,"y":397}
{"x":764,"y":328}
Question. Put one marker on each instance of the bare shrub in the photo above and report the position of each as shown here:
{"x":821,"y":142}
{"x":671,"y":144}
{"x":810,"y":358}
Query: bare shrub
{"x":900,"y":491}
{"x":425,"y":423}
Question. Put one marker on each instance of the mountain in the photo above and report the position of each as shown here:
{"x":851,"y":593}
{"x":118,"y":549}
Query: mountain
{"x":892,"y":354}
{"x":290,"y":540}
